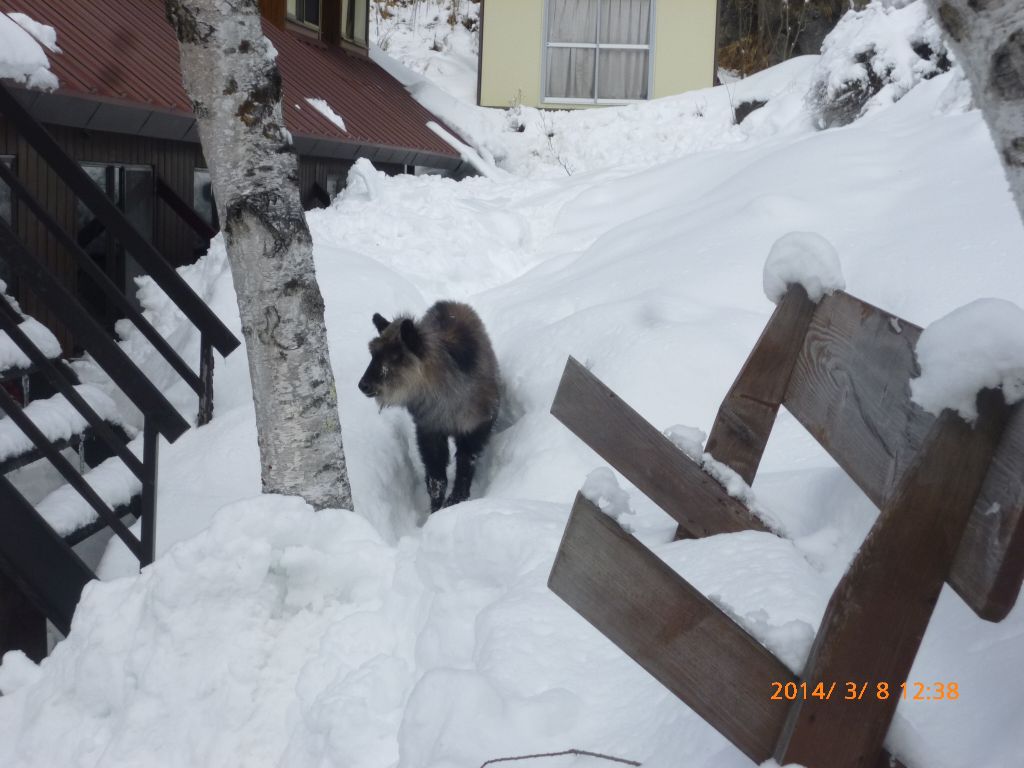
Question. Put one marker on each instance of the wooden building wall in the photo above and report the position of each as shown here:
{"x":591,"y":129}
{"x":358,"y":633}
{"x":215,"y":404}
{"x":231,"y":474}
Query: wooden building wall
{"x":173,"y":161}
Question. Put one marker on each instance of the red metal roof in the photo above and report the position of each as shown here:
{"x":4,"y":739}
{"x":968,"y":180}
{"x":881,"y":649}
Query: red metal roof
{"x":126,"y":52}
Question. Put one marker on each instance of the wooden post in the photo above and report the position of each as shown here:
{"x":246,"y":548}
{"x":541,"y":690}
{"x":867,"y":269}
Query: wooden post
{"x":22,"y":626}
{"x":150,"y":459}
{"x":872,"y":630}
{"x":747,"y":414}
{"x":206,"y":380}
{"x":274,"y":11}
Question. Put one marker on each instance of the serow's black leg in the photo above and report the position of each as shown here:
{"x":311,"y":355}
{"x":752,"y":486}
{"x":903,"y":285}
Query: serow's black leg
{"x":467,"y":449}
{"x":434,"y":452}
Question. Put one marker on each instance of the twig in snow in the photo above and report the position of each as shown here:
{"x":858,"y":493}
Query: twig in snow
{"x":559,"y":754}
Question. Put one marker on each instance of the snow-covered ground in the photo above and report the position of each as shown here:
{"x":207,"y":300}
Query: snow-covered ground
{"x":633,"y":239}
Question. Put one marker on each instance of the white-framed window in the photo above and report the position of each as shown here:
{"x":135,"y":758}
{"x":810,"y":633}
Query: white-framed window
{"x":353,"y":21}
{"x":598,"y":51}
{"x":305,"y":12}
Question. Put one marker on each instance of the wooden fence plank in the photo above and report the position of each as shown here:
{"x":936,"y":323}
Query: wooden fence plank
{"x":670,"y":629}
{"x":850,"y":389}
{"x":989,"y":564}
{"x":646,"y":457}
{"x":871,"y":632}
{"x":747,"y":413}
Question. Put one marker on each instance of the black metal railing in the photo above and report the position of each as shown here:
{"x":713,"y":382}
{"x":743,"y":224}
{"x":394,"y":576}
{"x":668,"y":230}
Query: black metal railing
{"x":213,"y":333}
{"x":159,"y":416}
{"x":32,"y":554}
{"x":184,"y":211}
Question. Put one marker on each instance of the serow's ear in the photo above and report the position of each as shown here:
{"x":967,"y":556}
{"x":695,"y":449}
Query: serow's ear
{"x":411,"y":337}
{"x":379,"y":322}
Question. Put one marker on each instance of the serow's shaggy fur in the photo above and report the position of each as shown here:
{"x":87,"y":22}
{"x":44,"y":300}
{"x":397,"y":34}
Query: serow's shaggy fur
{"x":443,"y":370}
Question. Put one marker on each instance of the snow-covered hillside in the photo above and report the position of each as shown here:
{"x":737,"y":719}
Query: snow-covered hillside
{"x":633,"y":239}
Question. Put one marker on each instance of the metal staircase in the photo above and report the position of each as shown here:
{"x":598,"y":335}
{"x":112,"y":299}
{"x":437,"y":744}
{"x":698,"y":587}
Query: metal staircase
{"x":41,"y":577}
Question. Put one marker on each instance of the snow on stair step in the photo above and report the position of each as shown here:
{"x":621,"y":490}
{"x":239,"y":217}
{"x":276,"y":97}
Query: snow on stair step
{"x":11,"y":355}
{"x":66,"y":511}
{"x":56,"y":418}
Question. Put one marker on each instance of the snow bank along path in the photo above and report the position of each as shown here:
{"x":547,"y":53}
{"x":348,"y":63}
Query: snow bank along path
{"x":276,"y":636}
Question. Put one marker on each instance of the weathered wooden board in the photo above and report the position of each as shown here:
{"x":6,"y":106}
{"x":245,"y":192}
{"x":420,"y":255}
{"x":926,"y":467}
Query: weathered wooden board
{"x":747,"y":414}
{"x":850,"y":389}
{"x":670,"y":629}
{"x":872,"y":632}
{"x":646,"y":457}
{"x":989,"y":565}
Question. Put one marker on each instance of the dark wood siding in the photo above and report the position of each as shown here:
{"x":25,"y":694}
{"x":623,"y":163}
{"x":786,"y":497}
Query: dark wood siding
{"x":173,"y":161}
{"x":315,"y":170}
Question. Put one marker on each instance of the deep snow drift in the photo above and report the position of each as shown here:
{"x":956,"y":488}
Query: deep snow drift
{"x":268,"y":635}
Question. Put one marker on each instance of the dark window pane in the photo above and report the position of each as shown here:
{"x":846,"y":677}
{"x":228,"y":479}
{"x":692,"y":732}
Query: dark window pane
{"x":312,"y":10}
{"x":5,"y":193}
{"x":202,"y":194}
{"x":6,"y":213}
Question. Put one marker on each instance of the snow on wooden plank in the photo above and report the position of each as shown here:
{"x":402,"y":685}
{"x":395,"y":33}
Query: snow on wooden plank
{"x":11,"y":355}
{"x":56,"y":418}
{"x":646,"y":457}
{"x":673,"y":631}
{"x":66,"y":510}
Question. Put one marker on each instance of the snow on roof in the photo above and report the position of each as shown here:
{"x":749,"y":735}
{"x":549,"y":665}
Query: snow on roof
{"x":978,"y":346}
{"x":324,"y":109}
{"x":22,"y":57}
{"x":802,"y":258}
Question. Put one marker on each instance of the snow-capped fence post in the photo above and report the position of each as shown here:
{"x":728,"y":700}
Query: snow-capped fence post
{"x":230,"y":73}
{"x":747,"y":414}
{"x":951,"y":496}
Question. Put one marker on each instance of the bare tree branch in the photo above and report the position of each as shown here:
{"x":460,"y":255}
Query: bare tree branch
{"x":560,"y":754}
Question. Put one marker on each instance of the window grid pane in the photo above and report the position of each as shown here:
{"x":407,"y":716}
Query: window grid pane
{"x":623,"y":74}
{"x":625,"y":21}
{"x":571,"y":73}
{"x":572,"y":21}
{"x":617,"y":31}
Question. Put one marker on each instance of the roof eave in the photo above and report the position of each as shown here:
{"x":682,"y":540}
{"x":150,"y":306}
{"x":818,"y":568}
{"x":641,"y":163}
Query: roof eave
{"x":114,"y":116}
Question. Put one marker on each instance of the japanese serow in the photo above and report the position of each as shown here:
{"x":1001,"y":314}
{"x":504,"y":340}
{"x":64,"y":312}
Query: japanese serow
{"x":443,"y":370}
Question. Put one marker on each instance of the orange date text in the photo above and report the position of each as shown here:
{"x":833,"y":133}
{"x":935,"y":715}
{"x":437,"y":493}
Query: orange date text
{"x":859,"y":690}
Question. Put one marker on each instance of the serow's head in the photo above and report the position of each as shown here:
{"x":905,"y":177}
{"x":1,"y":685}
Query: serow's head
{"x":394,"y":372}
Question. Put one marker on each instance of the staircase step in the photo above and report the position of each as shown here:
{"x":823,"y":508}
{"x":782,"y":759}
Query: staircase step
{"x":57,"y":419}
{"x":67,"y":512}
{"x":133,"y":508}
{"x":12,"y":359}
{"x":32,"y":455}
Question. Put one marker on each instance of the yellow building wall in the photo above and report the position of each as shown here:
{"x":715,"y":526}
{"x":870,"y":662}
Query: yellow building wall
{"x":512,"y":52}
{"x":511,"y":62}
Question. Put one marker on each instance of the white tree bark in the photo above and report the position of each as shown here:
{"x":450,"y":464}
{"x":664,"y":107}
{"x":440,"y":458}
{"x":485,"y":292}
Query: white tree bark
{"x":987,"y":37}
{"x":230,"y":73}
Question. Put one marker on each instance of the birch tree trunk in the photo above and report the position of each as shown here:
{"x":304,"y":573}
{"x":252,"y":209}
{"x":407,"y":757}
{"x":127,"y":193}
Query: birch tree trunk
{"x":987,"y":37}
{"x":230,"y":73}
